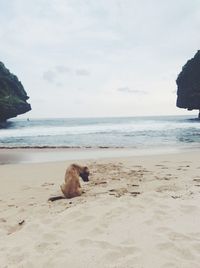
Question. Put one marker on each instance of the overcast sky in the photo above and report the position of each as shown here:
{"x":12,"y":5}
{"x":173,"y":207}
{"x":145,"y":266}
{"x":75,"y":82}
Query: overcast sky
{"x":90,"y":58}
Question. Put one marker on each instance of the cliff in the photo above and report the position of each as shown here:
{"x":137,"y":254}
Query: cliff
{"x":12,"y":95}
{"x":188,"y":82}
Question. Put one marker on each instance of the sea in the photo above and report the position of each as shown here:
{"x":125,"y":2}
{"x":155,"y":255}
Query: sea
{"x":139,"y":133}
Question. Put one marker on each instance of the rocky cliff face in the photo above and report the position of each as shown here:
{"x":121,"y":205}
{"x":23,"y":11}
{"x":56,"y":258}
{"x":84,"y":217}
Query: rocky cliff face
{"x":12,"y":95}
{"x":188,"y":82}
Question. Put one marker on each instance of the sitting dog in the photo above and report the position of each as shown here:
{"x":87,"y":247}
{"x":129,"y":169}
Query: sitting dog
{"x":72,"y":187}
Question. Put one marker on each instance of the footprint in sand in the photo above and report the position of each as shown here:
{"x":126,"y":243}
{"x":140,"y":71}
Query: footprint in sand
{"x":175,"y":236}
{"x":113,"y":252}
{"x":169,"y":265}
{"x":166,"y":178}
{"x":118,"y":192}
{"x":86,"y":218}
{"x":32,"y":204}
{"x":47,"y":184}
{"x":177,"y":250}
{"x":135,"y":193}
{"x":183,"y":168}
{"x":168,"y":188}
{"x":122,"y":191}
{"x":164,"y":167}
{"x":98,"y":244}
{"x":100,"y":182}
{"x":195,"y":237}
{"x":196,"y":180}
{"x":97,"y":231}
{"x":176,"y":196}
{"x":166,"y":246}
{"x":189,"y":209}
{"x":45,"y":246}
{"x":2,"y":220}
{"x":119,"y":253}
{"x":16,"y":258}
{"x":163,"y":230}
{"x":137,"y":166}
{"x":11,"y":205}
{"x":196,"y":247}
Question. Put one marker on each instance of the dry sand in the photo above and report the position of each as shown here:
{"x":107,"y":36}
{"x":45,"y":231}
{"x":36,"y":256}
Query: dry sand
{"x":138,"y":212}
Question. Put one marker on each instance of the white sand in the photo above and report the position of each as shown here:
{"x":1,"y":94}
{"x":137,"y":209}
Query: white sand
{"x":138,"y":212}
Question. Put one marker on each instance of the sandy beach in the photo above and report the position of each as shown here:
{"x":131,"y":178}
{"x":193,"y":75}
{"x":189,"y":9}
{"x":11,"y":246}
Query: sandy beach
{"x":136,"y":212}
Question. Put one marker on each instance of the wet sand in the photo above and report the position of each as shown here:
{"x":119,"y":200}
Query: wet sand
{"x":41,"y":155}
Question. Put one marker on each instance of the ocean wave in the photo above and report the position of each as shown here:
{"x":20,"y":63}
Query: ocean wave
{"x":96,"y":133}
{"x":126,"y":129}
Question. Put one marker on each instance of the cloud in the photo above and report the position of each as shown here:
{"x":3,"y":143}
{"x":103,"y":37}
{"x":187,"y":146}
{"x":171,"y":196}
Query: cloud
{"x":62,"y":69}
{"x":82,"y":72}
{"x":49,"y":76}
{"x":129,"y":90}
{"x":61,"y":75}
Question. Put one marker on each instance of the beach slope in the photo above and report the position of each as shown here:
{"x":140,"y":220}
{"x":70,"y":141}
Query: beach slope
{"x":135,"y":212}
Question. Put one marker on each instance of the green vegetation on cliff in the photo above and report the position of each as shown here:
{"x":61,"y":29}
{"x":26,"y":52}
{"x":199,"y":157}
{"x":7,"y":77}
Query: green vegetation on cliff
{"x":13,"y":97}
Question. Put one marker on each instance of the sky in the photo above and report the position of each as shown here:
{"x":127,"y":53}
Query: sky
{"x":99,"y":58}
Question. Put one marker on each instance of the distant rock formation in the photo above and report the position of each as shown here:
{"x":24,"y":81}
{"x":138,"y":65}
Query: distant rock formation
{"x":188,"y":82}
{"x":12,"y":95}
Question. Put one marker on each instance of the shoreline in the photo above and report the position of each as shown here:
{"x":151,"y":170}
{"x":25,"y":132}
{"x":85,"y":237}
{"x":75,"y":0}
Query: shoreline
{"x":57,"y":154}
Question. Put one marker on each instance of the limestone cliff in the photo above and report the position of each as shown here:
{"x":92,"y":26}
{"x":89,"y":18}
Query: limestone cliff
{"x":12,"y":95}
{"x":188,"y":82}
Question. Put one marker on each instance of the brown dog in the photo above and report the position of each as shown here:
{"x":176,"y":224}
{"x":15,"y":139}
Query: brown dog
{"x":71,"y":187}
